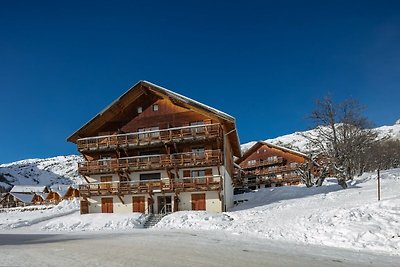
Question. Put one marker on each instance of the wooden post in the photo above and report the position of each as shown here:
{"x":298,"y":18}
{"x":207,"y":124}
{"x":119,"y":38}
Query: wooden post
{"x":379,"y":185}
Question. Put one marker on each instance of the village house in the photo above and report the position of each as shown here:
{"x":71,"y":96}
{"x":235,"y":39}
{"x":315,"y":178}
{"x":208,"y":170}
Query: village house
{"x":23,"y":195}
{"x":266,"y":164}
{"x":59,"y":192}
{"x":155,"y":151}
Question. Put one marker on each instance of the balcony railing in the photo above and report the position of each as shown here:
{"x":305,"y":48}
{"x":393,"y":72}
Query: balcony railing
{"x":204,"y":183}
{"x":263,"y":162}
{"x":151,"y":162}
{"x":178,"y":134}
{"x":272,"y":170}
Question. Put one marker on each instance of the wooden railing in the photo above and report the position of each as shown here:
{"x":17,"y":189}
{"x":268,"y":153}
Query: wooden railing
{"x":272,"y":170}
{"x":263,"y":162}
{"x":151,"y":162}
{"x":136,"y":139}
{"x":205,"y":183}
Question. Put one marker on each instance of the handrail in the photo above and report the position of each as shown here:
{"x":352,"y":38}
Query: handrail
{"x":147,"y":132}
{"x":151,"y":161}
{"x":210,"y":181}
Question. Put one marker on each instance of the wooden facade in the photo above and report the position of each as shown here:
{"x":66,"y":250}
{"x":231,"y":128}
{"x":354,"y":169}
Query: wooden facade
{"x":24,"y":195}
{"x":152,"y":149}
{"x":265,"y":165}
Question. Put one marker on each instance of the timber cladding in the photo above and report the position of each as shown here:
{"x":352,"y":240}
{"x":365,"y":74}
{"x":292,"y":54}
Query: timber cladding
{"x":152,"y":149}
{"x":265,"y":152}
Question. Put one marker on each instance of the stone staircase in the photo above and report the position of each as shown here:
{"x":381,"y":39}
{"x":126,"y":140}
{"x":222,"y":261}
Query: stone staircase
{"x":152,"y":220}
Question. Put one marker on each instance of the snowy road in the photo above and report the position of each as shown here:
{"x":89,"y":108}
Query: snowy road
{"x":172,"y":248}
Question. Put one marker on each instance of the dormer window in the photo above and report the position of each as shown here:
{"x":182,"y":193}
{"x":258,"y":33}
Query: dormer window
{"x":139,"y":110}
{"x":155,"y":107}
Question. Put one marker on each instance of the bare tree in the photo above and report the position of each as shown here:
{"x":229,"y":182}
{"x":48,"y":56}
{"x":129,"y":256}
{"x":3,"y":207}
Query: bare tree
{"x":342,"y":134}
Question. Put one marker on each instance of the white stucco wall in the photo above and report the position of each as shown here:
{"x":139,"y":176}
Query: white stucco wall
{"x":212,"y":201}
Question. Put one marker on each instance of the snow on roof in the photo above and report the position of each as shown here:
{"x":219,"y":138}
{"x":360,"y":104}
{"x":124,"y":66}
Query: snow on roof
{"x":28,"y":189}
{"x":190,"y":100}
{"x":26,"y":198}
{"x":61,"y":189}
{"x":258,"y":144}
{"x":42,"y":195}
{"x":285,"y":149}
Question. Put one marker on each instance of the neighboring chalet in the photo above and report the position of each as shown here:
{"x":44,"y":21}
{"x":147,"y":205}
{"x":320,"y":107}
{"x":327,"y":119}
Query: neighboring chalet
{"x":155,"y":151}
{"x":266,"y":165}
{"x":23,"y":195}
{"x":59,"y":192}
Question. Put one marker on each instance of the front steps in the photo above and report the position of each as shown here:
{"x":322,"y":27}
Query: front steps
{"x":152,"y":220}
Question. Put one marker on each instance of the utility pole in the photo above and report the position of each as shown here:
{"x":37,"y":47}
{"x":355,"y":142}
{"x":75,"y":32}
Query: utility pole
{"x":379,"y":185}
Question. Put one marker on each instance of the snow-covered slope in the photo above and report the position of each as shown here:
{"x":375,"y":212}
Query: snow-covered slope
{"x":299,"y":142}
{"x":326,"y":215}
{"x":57,"y":170}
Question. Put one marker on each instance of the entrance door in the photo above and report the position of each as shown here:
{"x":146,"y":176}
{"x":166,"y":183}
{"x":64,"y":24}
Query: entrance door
{"x":198,"y":201}
{"x":84,"y":206}
{"x":107,"y":205}
{"x":164,"y":204}
{"x":138,"y":204}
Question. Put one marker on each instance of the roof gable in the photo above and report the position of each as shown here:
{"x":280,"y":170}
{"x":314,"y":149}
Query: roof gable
{"x":152,"y":92}
{"x":259,"y":144}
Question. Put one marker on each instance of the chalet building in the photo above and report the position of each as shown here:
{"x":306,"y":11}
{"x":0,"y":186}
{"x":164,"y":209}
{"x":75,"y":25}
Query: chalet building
{"x":23,"y":195}
{"x":155,"y":151}
{"x":265,"y":165}
{"x":59,"y":192}
{"x":11,"y":200}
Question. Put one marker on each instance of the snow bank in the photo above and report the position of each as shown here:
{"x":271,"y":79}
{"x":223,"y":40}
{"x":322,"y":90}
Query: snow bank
{"x":96,"y":222}
{"x":327,"y":215}
{"x":20,"y":217}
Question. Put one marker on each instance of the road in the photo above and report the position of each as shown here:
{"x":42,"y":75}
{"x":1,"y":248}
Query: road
{"x":172,"y":248}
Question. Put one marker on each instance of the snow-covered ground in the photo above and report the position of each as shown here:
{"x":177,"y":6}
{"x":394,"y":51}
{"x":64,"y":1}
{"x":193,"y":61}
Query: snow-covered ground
{"x":327,"y":216}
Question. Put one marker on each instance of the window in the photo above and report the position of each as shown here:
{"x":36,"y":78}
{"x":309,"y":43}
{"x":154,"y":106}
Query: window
{"x":197,"y":129}
{"x":150,"y":176}
{"x":199,"y":173}
{"x":198,"y":152}
{"x":105,"y":159}
{"x":139,"y":110}
{"x":153,"y":132}
{"x":155,"y":107}
{"x":251,"y":162}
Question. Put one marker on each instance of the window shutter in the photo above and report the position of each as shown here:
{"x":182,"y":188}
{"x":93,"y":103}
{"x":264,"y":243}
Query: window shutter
{"x":186,"y":173}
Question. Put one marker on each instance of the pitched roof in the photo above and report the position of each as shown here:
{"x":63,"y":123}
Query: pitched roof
{"x":26,"y":198}
{"x":258,"y":144}
{"x":28,"y":189}
{"x":60,"y":189}
{"x":42,"y":195}
{"x":143,"y":87}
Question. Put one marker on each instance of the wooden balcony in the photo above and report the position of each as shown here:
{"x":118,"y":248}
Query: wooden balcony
{"x":272,"y":170}
{"x":149,"y":138}
{"x":263,"y":162}
{"x":151,"y":162}
{"x":206,"y":183}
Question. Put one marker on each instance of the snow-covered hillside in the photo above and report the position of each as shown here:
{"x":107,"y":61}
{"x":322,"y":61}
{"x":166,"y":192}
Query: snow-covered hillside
{"x":299,"y":142}
{"x":57,"y":170}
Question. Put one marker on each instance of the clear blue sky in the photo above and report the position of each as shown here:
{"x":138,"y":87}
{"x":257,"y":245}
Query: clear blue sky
{"x":263,"y":62}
